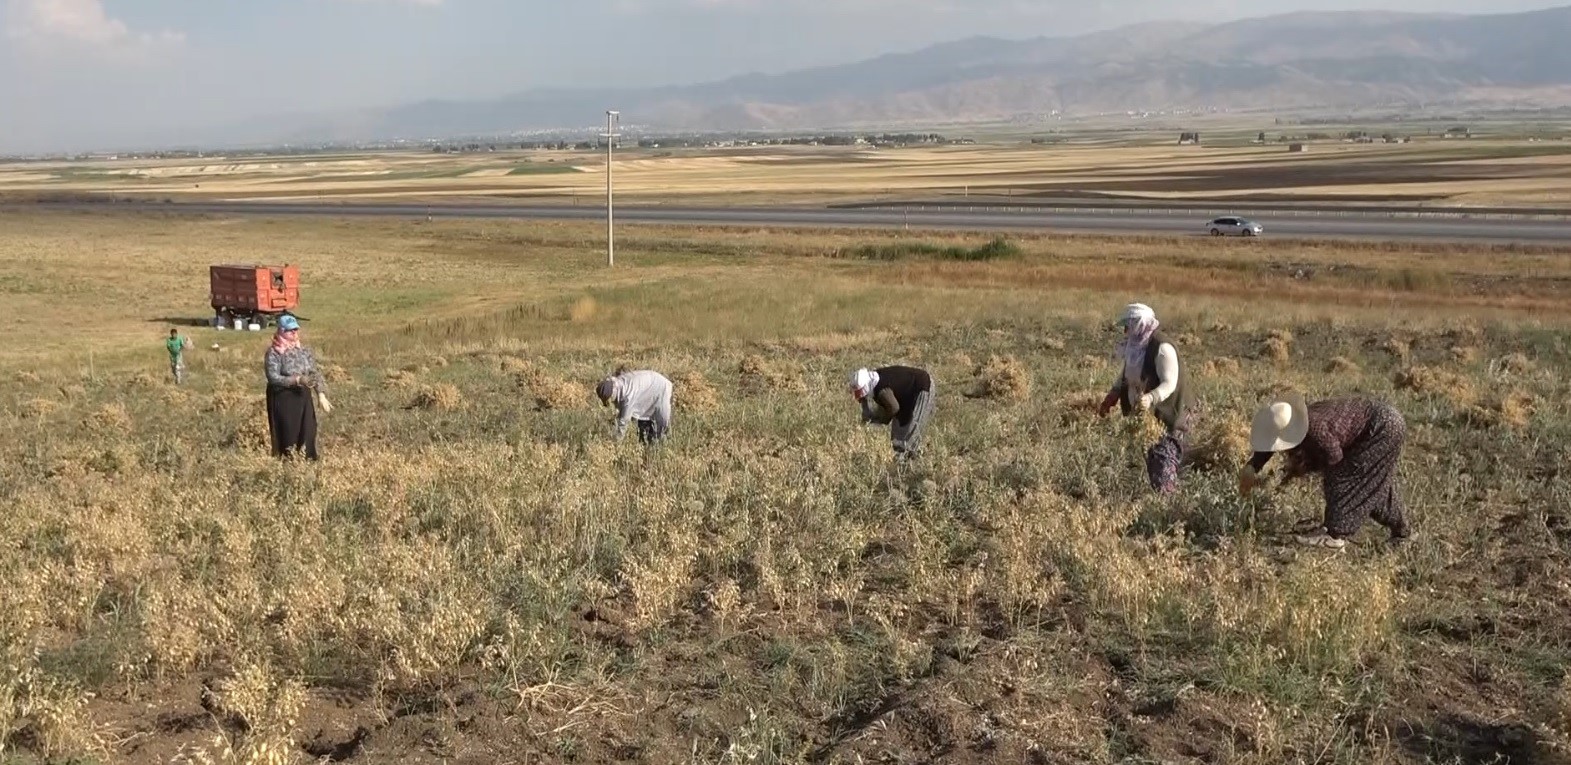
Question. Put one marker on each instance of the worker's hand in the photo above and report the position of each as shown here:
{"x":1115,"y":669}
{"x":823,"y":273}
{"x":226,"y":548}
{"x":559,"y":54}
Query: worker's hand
{"x":1145,"y":402}
{"x":1107,"y":404}
{"x":1294,"y":466}
{"x":1248,"y":479}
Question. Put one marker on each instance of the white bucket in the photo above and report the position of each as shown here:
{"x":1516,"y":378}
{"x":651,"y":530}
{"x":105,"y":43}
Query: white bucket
{"x":239,"y":324}
{"x":254,"y":327}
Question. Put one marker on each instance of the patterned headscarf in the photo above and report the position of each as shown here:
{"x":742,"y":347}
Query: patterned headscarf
{"x":283,"y":342}
{"x":1139,"y":324}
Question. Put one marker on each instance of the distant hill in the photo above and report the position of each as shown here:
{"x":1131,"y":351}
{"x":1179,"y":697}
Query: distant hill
{"x":1299,"y":60}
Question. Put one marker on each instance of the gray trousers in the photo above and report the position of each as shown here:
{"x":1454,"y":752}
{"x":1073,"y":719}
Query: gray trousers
{"x":907,"y":438}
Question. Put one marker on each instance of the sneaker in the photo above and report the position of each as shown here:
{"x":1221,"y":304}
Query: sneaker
{"x":1320,"y":539}
{"x":1309,"y":526}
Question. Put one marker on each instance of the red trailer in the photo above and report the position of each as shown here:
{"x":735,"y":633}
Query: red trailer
{"x":252,"y":296}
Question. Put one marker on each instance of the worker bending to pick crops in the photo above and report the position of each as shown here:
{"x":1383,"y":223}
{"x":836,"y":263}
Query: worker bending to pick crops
{"x":176,"y":346}
{"x":1353,"y":442}
{"x":898,"y":396}
{"x":641,"y":395}
{"x":295,"y":387}
{"x":1151,"y":380}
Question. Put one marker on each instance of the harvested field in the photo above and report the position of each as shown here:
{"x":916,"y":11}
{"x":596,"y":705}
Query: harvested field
{"x":476,"y":572}
{"x":1481,"y":172}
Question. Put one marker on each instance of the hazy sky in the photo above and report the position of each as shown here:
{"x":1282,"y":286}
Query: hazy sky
{"x":105,"y":73}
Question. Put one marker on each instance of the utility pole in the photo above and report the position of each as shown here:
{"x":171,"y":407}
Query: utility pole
{"x":612,"y":120}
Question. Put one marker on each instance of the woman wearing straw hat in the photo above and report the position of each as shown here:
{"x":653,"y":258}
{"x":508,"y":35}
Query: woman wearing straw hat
{"x":1151,"y":380}
{"x":1354,"y":442}
{"x":294,"y":388}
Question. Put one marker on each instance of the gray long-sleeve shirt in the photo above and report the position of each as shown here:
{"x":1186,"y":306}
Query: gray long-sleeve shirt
{"x":282,"y":368}
{"x":643,"y":395}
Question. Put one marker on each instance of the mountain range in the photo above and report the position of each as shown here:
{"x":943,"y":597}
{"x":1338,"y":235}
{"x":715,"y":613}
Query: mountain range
{"x":1343,"y":60}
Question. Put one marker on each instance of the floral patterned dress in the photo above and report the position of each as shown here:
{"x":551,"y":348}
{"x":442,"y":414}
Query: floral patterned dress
{"x":1355,"y":444}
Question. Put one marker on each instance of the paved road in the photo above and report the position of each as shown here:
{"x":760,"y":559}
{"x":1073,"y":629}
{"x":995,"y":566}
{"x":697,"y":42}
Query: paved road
{"x":1294,"y":224}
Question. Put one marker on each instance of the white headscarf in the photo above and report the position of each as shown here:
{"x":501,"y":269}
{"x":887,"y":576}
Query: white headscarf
{"x":862,"y":383}
{"x":1140,"y":323}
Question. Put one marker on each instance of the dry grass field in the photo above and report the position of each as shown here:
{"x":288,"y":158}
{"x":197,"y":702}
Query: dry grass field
{"x":1456,"y":172}
{"x":476,"y":573}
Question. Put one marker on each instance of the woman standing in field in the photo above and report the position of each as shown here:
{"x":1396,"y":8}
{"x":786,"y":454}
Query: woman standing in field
{"x":1354,"y":442}
{"x":1152,"y":380}
{"x":294,"y":383}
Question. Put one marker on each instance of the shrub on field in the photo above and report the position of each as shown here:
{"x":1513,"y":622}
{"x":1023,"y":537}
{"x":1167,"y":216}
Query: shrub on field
{"x":1220,"y":444}
{"x":583,"y":309}
{"x":251,"y":434}
{"x":1397,"y":348}
{"x":1002,"y":378}
{"x":38,"y":408}
{"x":442,"y":396}
{"x":552,"y":392}
{"x":1221,"y":366}
{"x":1431,"y":381}
{"x":110,"y":419}
{"x":1277,"y":347}
{"x":1341,"y":365}
{"x":692,"y":391}
{"x":1514,"y":409}
{"x":334,"y":373}
{"x":400,"y":379}
{"x":1516,"y":363}
{"x":756,"y":375}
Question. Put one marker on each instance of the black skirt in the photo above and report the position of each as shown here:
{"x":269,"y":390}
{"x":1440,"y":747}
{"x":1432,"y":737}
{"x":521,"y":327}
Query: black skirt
{"x":291,"y":420}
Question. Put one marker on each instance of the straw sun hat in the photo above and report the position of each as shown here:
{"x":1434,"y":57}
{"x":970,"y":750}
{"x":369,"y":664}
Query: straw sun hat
{"x":1281,"y":424}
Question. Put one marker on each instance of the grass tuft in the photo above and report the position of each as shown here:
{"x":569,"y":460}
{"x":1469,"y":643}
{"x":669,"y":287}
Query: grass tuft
{"x":1002,"y":378}
{"x":442,"y":397}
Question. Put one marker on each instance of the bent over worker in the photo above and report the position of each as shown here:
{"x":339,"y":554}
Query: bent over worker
{"x":1354,"y":442}
{"x":1151,"y":380}
{"x":898,"y":396}
{"x":641,"y":395}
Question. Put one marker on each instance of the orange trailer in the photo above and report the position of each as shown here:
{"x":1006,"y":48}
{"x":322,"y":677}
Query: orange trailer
{"x":253,"y":294}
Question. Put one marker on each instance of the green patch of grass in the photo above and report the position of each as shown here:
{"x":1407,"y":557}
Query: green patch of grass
{"x":994,"y":249}
{"x":538,"y":168}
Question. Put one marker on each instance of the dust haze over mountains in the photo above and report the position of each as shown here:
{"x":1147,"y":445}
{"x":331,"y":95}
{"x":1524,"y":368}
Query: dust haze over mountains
{"x":1301,"y":60}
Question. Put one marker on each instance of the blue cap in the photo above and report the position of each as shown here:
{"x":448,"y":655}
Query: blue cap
{"x":287,"y":322}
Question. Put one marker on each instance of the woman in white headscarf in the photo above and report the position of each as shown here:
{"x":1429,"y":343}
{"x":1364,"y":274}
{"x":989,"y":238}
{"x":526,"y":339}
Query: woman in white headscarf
{"x":1152,"y":380}
{"x":898,"y":396}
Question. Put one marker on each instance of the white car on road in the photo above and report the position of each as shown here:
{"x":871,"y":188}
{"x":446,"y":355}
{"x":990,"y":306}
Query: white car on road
{"x":1234,"y":226}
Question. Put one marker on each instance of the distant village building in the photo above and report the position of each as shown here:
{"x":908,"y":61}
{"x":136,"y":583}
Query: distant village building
{"x":1188,"y":138}
{"x":1296,"y":148}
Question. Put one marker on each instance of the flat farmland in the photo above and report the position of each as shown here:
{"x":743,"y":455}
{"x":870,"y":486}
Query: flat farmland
{"x":476,"y":572}
{"x":1437,"y":172}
